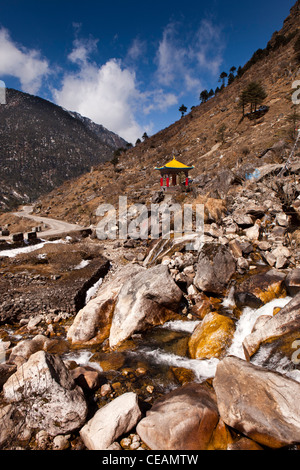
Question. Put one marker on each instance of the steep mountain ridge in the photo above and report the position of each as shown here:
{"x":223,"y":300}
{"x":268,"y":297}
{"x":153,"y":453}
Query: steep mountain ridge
{"x":42,"y":145}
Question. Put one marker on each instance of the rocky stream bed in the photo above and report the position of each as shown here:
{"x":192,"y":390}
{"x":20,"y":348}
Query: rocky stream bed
{"x":166,"y":349}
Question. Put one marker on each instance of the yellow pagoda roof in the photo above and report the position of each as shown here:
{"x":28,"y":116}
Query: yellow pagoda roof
{"x":175,"y":164}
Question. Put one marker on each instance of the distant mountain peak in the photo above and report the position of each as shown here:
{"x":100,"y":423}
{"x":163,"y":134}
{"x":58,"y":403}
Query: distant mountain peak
{"x":42,"y":145}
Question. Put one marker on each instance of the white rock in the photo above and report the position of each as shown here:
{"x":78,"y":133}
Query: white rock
{"x":25,"y":348}
{"x":281,"y":262}
{"x":147,"y":299}
{"x":61,"y":442}
{"x":92,"y":320}
{"x":46,"y":395}
{"x":282,"y":219}
{"x":253,"y":233}
{"x":281,"y":251}
{"x":110,"y":422}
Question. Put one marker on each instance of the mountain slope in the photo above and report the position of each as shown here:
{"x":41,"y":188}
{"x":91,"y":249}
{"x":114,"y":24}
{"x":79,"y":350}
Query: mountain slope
{"x":42,"y":145}
{"x":195,"y":139}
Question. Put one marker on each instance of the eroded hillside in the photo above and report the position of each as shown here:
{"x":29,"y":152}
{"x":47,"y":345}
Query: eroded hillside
{"x":195,"y":140}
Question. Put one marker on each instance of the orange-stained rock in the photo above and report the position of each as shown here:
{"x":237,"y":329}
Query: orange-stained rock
{"x":211,"y":337}
{"x":221,"y":437}
{"x":183,"y":375}
{"x":244,"y":444}
{"x":259,"y":289}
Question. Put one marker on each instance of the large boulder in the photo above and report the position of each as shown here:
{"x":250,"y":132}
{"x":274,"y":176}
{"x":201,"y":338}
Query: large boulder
{"x":244,"y":444}
{"x":215,"y":268}
{"x":184,"y":419}
{"x":92,"y":323}
{"x":44,"y":392}
{"x":260,"y":288}
{"x":293,"y":282}
{"x":25,"y":348}
{"x":6,"y":370}
{"x":147,"y":299}
{"x":110,"y":422}
{"x":211,"y":337}
{"x":259,"y":403}
{"x":12,"y":425}
{"x":283,"y":328}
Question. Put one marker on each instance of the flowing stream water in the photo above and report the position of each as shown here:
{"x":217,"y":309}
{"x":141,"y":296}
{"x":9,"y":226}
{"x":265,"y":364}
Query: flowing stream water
{"x":164,"y":348}
{"x":246,"y":322}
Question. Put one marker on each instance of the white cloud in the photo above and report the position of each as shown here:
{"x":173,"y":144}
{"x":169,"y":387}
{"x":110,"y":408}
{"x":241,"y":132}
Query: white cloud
{"x":159,"y":100}
{"x":107,"y":94}
{"x":82,"y":50}
{"x":169,"y":57}
{"x":209,"y":46}
{"x":137,"y":49}
{"x":181,"y":61}
{"x":21,"y":63}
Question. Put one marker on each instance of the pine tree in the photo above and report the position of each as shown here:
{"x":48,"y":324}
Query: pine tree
{"x":231,"y":78}
{"x":222,"y":77}
{"x":239,"y":72}
{"x":254,"y":94}
{"x":243,"y":100}
{"x":183,"y":110}
{"x":204,"y":96}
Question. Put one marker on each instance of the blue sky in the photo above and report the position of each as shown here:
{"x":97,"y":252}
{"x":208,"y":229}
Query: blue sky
{"x":129,"y":65}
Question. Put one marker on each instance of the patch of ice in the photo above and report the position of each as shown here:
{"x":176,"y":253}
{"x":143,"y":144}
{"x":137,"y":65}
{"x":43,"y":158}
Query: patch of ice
{"x":93,"y":290}
{"x":27,"y":249}
{"x":82,"y":264}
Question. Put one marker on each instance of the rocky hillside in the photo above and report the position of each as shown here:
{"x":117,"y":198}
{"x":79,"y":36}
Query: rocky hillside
{"x":42,"y":145}
{"x":195,"y":139}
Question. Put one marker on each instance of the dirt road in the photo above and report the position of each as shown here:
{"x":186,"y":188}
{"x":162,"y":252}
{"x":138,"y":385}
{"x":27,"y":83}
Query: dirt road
{"x":57,"y":227}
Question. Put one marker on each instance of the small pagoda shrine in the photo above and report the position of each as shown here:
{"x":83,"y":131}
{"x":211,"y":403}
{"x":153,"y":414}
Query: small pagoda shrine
{"x":171,"y":173}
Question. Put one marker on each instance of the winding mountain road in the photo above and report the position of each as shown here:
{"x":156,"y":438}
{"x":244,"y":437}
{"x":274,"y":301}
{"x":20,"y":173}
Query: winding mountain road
{"x":57,"y":227}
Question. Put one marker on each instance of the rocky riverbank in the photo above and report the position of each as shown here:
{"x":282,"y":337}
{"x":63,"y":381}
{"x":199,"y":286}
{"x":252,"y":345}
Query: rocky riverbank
{"x":173,"y":349}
